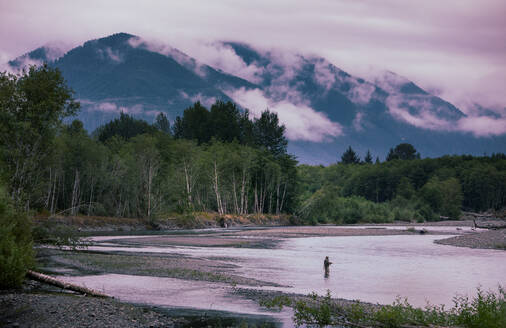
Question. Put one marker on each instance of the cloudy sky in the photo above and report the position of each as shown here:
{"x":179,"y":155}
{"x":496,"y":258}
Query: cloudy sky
{"x":455,"y":49}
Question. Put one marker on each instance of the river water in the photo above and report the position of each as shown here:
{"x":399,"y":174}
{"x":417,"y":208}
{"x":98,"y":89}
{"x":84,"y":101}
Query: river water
{"x":374,"y":269}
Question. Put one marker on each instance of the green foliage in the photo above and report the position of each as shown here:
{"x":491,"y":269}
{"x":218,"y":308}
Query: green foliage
{"x":316,"y":311}
{"x":32,"y":107}
{"x":444,"y":197}
{"x":368,"y":158}
{"x":57,"y":234}
{"x":16,"y":253}
{"x":350,"y":157}
{"x":277,"y":302}
{"x":218,"y":160}
{"x":268,"y":134}
{"x":194,"y":125}
{"x":225,"y":123}
{"x":162,"y":123}
{"x":125,"y":127}
{"x":327,"y":206}
{"x":403,"y":151}
{"x":485,"y":310}
{"x":152,"y":173}
{"x":412,"y":190}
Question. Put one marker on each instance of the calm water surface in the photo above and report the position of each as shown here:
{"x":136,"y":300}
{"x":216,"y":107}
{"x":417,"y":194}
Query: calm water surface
{"x":375,"y":269}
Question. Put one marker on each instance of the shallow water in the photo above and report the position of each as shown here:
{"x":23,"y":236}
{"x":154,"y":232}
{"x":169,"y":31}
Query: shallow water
{"x":374,"y":269}
{"x":370,"y":268}
{"x":178,"y":295}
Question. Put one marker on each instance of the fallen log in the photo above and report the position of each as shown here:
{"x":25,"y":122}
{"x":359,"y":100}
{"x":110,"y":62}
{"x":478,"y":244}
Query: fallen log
{"x":58,"y":283}
{"x":490,"y":226}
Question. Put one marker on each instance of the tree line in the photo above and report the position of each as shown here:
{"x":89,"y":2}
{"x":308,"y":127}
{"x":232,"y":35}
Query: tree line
{"x":216,"y":160}
{"x":403,"y":187}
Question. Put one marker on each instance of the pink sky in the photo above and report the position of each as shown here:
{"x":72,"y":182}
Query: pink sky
{"x":455,"y":49}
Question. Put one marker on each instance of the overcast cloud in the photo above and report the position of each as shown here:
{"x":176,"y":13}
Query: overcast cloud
{"x":455,"y":49}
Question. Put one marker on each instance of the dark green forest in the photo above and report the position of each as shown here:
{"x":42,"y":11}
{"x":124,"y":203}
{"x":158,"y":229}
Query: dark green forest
{"x":218,"y":160}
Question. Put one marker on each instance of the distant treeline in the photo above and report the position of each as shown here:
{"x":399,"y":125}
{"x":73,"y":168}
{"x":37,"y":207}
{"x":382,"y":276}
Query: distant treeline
{"x":404,"y":187}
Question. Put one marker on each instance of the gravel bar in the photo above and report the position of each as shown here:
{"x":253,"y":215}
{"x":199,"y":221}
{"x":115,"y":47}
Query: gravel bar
{"x":67,"y":310}
{"x":492,"y":239}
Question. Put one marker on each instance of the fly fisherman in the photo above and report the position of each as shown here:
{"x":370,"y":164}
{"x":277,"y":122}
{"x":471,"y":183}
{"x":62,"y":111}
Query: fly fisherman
{"x":326,"y":266}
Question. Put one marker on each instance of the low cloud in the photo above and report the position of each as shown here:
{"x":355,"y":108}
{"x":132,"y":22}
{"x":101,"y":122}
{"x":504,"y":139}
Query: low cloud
{"x":478,"y":125}
{"x":324,"y":74}
{"x":53,"y":51}
{"x":109,"y":54}
{"x":301,"y":121}
{"x":361,"y":93}
{"x":224,"y":58}
{"x":483,"y":126}
{"x":357,"y":122}
{"x":22,"y":63}
{"x":204,"y":100}
{"x":166,"y":50}
{"x":423,"y":119}
{"x":388,"y":81}
{"x":329,"y":76}
{"x":111,"y":107}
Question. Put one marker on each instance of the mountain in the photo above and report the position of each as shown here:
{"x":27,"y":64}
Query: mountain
{"x":324,"y":108}
{"x":374,"y":115}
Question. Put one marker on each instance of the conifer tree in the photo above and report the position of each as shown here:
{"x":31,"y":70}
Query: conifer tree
{"x":350,"y":157}
{"x":368,"y":157}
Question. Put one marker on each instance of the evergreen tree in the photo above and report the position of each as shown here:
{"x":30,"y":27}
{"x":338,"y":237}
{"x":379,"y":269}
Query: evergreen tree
{"x":368,"y":157}
{"x":224,"y":121}
{"x":177,"y":128}
{"x":269,"y":134}
{"x":403,"y":151}
{"x":350,"y":157}
{"x":195,"y":124}
{"x":162,"y":123}
{"x":125,"y":126}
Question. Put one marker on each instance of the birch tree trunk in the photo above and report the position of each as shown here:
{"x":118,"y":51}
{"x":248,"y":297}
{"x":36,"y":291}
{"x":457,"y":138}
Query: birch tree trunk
{"x":75,"y":194}
{"x":216,"y":188}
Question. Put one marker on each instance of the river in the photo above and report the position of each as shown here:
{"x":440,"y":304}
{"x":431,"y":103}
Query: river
{"x":374,"y":269}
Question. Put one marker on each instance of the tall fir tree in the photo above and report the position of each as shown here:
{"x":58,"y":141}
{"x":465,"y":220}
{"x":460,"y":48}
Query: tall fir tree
{"x":350,"y":157}
{"x":368,"y":157}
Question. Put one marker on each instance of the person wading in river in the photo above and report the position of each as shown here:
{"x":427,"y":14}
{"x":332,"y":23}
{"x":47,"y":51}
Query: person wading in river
{"x":326,"y":266}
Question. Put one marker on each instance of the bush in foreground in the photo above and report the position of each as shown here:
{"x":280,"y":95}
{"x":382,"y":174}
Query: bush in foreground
{"x":16,"y":253}
{"x":485,"y":310}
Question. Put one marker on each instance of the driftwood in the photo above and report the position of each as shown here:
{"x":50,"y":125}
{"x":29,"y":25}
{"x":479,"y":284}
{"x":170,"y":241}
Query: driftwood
{"x":489,"y":226}
{"x":58,"y":283}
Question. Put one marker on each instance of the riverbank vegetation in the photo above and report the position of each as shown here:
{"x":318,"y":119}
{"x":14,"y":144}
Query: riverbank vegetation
{"x":485,"y":310}
{"x":414,"y":189}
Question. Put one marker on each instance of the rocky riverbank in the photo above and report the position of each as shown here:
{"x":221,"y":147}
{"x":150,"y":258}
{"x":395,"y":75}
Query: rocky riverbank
{"x":490,"y":239}
{"x":39,"y":306}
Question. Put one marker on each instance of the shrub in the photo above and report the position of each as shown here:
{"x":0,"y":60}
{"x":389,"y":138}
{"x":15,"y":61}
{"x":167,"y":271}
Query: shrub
{"x":16,"y":253}
{"x":485,"y":310}
{"x":57,"y":234}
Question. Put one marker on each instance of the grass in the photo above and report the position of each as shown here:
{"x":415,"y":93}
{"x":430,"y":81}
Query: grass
{"x":500,"y":246}
{"x":485,"y":310}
